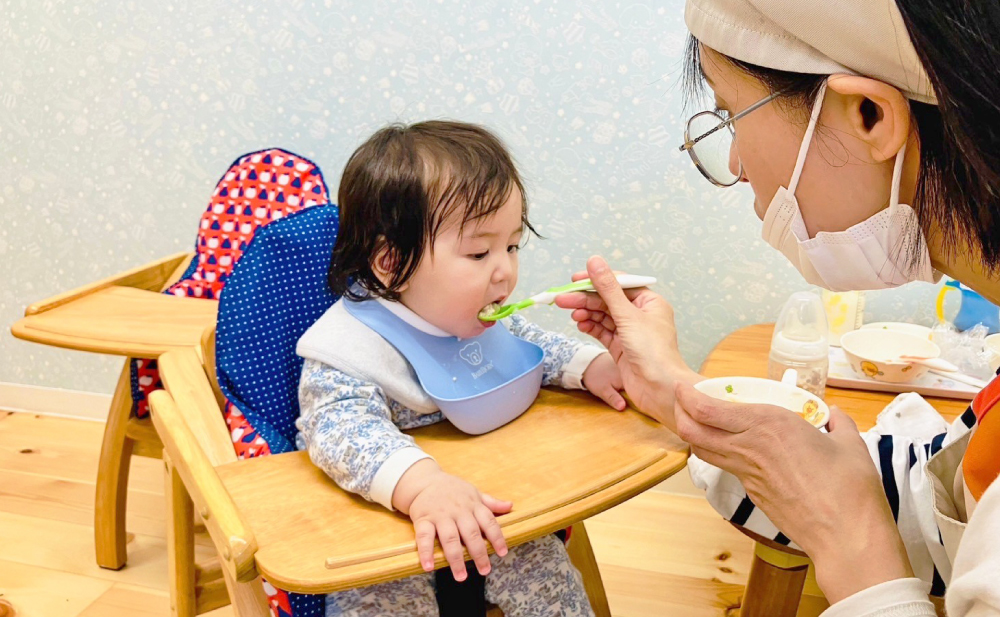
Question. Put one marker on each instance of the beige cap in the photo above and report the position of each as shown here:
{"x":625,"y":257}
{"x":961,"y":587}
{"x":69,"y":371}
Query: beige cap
{"x":862,"y":37}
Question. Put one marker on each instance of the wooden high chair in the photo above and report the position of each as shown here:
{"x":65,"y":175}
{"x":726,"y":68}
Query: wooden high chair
{"x":280,"y":517}
{"x":123,"y":315}
{"x":126,"y":314}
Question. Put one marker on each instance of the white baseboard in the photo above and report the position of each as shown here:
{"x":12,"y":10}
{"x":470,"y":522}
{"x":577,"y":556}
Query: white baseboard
{"x":54,"y":402}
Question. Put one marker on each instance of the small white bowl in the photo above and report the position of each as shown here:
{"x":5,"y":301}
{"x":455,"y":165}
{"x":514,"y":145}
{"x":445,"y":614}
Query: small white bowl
{"x":993,"y":345}
{"x":768,"y":392}
{"x":899,"y":326}
{"x":875,"y":354}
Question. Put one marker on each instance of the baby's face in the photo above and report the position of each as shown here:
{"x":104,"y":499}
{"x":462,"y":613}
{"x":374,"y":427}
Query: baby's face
{"x":465,"y":273}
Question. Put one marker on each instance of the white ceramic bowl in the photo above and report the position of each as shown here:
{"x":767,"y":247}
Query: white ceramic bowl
{"x":993,"y":344}
{"x":874,"y":353}
{"x":769,"y":392}
{"x":899,"y":326}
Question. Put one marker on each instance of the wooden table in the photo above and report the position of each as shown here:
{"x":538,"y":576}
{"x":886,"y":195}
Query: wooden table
{"x":779,"y":574}
{"x":744,"y":352}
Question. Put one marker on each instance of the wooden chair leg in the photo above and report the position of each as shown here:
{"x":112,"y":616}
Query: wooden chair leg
{"x":774,"y":587}
{"x":248,"y":599}
{"x":180,"y":545}
{"x":581,"y":553}
{"x":112,"y":477}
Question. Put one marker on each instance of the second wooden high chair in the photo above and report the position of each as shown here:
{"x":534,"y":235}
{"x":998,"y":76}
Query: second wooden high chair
{"x":130,"y":315}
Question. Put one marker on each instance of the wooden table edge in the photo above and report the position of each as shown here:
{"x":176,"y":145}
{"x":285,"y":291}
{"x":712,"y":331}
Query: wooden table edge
{"x":519,"y":532}
{"x":24,"y":332}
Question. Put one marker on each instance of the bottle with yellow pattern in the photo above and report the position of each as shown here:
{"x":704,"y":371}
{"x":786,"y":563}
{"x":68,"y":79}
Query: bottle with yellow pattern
{"x":800,"y":342}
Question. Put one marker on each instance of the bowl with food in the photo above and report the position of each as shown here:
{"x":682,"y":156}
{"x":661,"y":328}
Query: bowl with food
{"x":900,"y":326}
{"x":889,"y":356}
{"x":755,"y":390}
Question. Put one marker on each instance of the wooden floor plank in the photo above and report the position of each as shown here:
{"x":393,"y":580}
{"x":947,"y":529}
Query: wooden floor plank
{"x":69,"y":547}
{"x":72,"y":501}
{"x":36,"y":591}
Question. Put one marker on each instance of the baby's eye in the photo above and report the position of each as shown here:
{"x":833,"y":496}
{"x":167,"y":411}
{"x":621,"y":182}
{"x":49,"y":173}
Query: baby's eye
{"x":513,"y":248}
{"x":480,"y":256}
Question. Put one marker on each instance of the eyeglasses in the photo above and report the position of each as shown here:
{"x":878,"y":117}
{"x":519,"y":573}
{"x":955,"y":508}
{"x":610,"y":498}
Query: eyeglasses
{"x":711,"y":147}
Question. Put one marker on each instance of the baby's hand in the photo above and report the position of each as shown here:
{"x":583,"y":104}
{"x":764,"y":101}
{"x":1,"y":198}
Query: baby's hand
{"x":603,"y":379}
{"x":448,"y":507}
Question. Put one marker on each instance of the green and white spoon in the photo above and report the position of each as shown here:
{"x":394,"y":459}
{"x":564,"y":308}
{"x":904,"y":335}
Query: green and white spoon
{"x":493,"y":313}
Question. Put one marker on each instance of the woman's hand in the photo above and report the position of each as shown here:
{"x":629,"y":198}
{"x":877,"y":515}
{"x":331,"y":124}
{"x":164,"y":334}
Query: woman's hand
{"x":449,"y":508}
{"x":821,"y":490}
{"x":603,"y":380}
{"x":637,"y":327}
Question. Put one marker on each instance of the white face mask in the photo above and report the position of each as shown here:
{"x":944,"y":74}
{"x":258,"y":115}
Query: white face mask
{"x":877,"y":253}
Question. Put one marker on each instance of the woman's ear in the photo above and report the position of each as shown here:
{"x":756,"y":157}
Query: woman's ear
{"x":385,"y":263}
{"x":876,"y":113}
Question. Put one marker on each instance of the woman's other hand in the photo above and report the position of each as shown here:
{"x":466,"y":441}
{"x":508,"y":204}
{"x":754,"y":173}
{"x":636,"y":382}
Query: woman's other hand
{"x":821,"y":490}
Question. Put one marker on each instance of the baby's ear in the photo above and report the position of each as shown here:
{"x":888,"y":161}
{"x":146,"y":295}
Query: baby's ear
{"x":385,"y":263}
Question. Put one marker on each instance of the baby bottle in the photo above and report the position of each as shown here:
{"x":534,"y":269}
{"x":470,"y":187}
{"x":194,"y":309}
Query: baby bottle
{"x":800,"y":343}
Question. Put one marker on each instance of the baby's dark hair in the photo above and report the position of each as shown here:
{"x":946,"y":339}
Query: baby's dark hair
{"x":401,"y":186}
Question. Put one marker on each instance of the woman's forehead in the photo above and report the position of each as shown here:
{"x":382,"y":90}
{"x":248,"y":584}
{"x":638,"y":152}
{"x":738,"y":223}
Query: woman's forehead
{"x":728,"y":82}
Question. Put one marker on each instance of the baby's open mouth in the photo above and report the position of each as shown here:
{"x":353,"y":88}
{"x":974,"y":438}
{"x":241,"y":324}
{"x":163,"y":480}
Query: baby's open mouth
{"x":489,"y":310}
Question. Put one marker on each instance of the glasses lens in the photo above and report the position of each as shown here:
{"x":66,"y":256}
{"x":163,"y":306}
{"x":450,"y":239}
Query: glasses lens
{"x":712,"y":151}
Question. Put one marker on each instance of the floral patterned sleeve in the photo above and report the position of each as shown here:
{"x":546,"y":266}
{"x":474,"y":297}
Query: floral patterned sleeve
{"x":346,"y":425}
{"x":566,"y":359}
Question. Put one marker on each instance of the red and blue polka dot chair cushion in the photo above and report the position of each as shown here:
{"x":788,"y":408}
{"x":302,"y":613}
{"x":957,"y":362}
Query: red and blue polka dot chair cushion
{"x":257,"y":189}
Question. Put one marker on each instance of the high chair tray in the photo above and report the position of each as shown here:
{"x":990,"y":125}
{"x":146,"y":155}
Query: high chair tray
{"x":565,"y":459}
{"x":841,"y":375}
{"x":122,"y":321}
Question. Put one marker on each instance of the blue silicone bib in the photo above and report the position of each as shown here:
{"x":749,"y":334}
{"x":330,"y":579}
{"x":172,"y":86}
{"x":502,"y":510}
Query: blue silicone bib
{"x":479,"y":384}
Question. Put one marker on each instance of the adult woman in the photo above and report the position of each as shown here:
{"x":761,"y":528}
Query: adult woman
{"x":896,"y":118}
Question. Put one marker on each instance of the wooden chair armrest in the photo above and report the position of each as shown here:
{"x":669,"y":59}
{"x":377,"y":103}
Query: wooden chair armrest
{"x":231,"y":535}
{"x":152,"y":276}
{"x":184,"y":376}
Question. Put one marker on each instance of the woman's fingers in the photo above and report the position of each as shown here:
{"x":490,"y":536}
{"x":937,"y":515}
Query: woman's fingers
{"x":451,"y":544}
{"x":713,"y":412}
{"x":842,"y":426}
{"x":425,"y":544}
{"x":700,"y":435}
{"x":607,"y":286}
{"x":581,"y":300}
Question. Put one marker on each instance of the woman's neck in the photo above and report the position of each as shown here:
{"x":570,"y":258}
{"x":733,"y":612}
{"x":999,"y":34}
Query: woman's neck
{"x":964,"y":264}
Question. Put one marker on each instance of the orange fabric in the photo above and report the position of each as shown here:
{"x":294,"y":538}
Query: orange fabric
{"x":981,"y":464}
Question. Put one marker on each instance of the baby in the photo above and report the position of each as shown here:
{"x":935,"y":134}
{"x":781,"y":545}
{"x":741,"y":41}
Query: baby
{"x":432,"y":217}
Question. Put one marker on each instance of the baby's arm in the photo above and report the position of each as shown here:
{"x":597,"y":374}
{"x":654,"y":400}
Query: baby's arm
{"x":566,"y":359}
{"x":572,"y":364}
{"x":346,"y":425}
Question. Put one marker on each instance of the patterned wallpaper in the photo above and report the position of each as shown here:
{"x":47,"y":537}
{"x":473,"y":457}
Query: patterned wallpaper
{"x":117,"y":118}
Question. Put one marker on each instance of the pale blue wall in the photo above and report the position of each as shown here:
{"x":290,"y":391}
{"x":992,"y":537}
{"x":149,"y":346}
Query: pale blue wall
{"x":116,"y":119}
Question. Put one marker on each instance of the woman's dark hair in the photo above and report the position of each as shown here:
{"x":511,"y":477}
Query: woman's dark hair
{"x":958,"y":187}
{"x":401,"y":186}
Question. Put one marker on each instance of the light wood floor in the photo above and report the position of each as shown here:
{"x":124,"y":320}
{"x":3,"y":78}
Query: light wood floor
{"x":660,"y":554}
